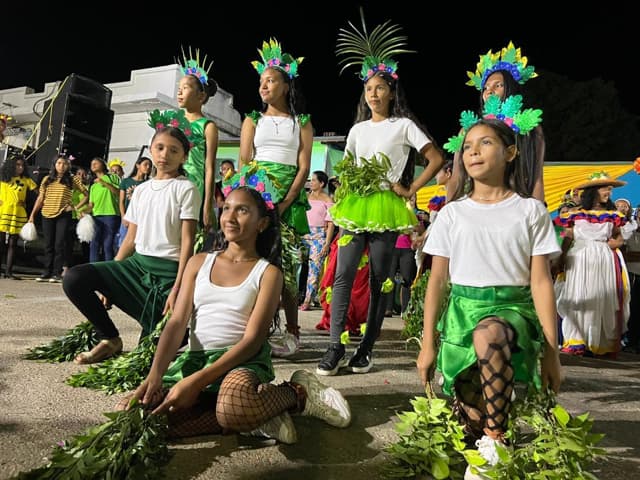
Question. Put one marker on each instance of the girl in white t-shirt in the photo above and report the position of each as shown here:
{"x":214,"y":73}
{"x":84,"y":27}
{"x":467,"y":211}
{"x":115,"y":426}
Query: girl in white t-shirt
{"x":227,"y":300}
{"x":144,"y":278}
{"x":493,"y":244}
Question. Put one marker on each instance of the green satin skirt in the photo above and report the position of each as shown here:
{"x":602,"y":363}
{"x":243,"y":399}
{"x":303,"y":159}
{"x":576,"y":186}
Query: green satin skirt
{"x":467,"y":307}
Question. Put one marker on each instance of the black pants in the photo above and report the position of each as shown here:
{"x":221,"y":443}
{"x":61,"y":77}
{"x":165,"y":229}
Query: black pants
{"x":55,"y":232}
{"x":381,"y":246}
{"x":403,"y":261}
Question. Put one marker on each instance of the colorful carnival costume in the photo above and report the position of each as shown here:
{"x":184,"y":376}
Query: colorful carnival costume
{"x":13,"y":196}
{"x":594,"y":300}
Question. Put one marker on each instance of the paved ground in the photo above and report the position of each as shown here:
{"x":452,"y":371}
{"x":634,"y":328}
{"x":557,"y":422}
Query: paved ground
{"x":38,"y":409}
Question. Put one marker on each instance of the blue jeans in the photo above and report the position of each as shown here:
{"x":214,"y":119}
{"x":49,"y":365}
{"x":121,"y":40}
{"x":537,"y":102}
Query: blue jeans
{"x":106,"y":228}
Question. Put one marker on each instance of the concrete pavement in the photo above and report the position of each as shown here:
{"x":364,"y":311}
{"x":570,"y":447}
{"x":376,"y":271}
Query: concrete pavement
{"x":37,"y":409}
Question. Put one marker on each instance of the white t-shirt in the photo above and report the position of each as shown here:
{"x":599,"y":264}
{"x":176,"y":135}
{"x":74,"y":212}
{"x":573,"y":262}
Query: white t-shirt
{"x":221,"y":313}
{"x":492,"y":245}
{"x":157,"y":207}
{"x":277,"y":139}
{"x":393,"y":136}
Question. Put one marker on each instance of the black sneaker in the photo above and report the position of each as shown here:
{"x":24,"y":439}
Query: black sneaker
{"x":43,"y":278}
{"x":361,"y":361}
{"x":332,"y":360}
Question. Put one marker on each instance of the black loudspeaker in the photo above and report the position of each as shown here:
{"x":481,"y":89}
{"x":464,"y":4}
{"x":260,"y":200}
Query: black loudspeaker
{"x":78,"y":123}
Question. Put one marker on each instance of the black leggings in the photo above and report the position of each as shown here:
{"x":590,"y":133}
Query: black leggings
{"x":80,"y":284}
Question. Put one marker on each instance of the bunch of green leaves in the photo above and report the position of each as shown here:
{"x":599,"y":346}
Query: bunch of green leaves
{"x":80,"y":338}
{"x":361,"y":179}
{"x":123,"y":373}
{"x":414,"y":314}
{"x":549,"y":443}
{"x":431,"y":441}
{"x":130,"y":445}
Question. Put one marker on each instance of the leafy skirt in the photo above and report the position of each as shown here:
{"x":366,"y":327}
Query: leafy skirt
{"x":467,"y":307}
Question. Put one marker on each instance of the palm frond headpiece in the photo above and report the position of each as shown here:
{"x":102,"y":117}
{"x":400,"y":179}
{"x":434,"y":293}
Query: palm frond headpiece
{"x":192,"y":64}
{"x":374,"y":51}
{"x":273,"y":57}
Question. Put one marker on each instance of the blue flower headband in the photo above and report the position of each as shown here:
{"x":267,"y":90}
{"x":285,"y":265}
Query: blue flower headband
{"x":255,"y":177}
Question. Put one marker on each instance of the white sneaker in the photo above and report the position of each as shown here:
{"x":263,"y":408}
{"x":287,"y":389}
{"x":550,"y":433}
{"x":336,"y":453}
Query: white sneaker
{"x":284,"y":346}
{"x":322,"y":402}
{"x":487,"y":449}
{"x":280,"y":428}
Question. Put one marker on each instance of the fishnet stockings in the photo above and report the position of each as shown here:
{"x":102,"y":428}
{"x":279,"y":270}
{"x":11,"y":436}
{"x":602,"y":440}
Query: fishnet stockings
{"x":484,"y":391}
{"x":244,"y":403}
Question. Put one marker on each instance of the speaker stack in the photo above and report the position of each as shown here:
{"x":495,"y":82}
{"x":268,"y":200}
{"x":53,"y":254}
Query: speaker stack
{"x":79,"y":123}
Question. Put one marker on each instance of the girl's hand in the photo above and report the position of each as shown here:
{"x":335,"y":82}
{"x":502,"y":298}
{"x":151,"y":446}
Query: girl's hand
{"x":400,"y":190}
{"x":182,"y":395}
{"x":551,"y":369}
{"x":171,"y":301}
{"x":105,"y":301}
{"x":149,"y":393}
{"x":425,"y":363}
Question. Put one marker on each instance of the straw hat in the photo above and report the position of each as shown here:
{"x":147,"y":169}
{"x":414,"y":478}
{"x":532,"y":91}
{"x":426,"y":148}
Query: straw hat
{"x":601,"y":179}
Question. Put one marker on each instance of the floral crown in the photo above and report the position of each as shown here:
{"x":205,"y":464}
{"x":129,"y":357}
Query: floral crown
{"x":192,"y":65}
{"x":272,"y":57}
{"x":174,"y":118}
{"x":5,"y":118}
{"x":508,"y":111}
{"x":372,"y":51}
{"x":509,"y":59}
{"x":256,"y":177}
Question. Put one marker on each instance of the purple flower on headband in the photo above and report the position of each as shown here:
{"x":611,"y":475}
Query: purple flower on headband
{"x":253,"y":181}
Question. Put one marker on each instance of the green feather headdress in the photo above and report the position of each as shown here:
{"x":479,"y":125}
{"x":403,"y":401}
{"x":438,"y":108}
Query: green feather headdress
{"x":509,"y":112}
{"x":373,"y":51}
{"x":272,"y":57}
{"x":509,"y":59}
{"x":192,"y":65}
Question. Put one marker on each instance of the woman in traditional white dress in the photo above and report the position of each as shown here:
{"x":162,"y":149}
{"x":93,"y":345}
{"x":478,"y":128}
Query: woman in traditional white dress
{"x":595,"y":298}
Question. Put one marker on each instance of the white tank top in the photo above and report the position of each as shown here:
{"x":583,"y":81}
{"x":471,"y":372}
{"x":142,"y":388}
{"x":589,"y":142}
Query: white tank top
{"x":221,"y":313}
{"x":277,"y":140}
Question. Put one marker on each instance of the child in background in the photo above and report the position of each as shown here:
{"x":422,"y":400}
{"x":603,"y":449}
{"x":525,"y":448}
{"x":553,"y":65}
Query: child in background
{"x":145,"y":277}
{"x":493,"y":244}
{"x":15,"y":183}
{"x":140,"y":173}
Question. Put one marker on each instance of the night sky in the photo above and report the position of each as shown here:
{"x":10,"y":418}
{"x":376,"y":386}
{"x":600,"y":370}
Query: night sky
{"x":47,"y":47}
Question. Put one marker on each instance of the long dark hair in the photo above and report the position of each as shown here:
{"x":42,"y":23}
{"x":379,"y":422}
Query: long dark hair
{"x":134,"y":170}
{"x":398,"y":108}
{"x":66,"y":179}
{"x":589,"y":198}
{"x":513,"y":178}
{"x":295,"y":99}
{"x":528,"y":144}
{"x":268,"y":242}
{"x":8,"y":170}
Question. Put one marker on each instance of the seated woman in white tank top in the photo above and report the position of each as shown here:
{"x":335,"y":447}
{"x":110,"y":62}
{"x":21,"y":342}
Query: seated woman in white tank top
{"x":226,"y":298}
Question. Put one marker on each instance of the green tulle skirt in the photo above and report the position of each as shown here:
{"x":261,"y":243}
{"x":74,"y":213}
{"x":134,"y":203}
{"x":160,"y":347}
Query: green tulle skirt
{"x":467,"y":307}
{"x":377,"y":212}
{"x":192,"y":361}
{"x":296,"y":215}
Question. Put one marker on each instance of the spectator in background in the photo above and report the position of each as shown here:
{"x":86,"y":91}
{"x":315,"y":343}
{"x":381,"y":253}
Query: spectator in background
{"x":117,"y":166}
{"x":103,"y":206}
{"x":140,"y":173}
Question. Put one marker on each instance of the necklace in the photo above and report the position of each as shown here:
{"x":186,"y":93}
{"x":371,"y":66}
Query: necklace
{"x":498,"y":198}
{"x":166,"y":184}
{"x":240,"y":260}
{"x":277,"y":124}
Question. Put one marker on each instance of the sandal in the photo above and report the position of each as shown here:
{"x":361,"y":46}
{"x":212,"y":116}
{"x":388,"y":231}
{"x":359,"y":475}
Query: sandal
{"x":104,"y":349}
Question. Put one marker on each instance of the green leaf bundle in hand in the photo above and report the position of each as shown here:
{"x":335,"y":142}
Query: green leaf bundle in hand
{"x":131,"y":445}
{"x":431,"y":442}
{"x":123,"y":373}
{"x":80,"y":338}
{"x":363,"y":179}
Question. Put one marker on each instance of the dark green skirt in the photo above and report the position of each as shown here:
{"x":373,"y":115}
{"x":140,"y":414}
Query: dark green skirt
{"x":192,"y":361}
{"x":139,"y":286}
{"x":467,"y":307}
